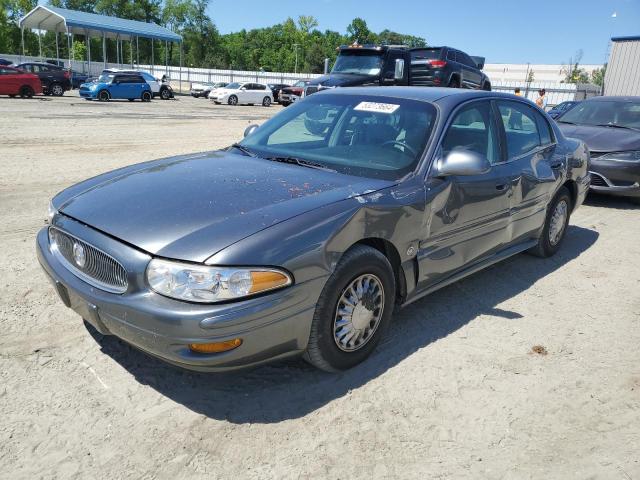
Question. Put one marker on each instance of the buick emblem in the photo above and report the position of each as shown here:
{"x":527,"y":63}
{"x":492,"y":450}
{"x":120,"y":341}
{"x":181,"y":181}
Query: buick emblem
{"x":78,"y":255}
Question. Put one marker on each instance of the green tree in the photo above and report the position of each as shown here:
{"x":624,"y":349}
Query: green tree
{"x":358,"y":31}
{"x":597,"y":76}
{"x":389,"y":37}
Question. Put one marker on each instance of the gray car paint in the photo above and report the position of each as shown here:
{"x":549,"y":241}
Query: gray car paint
{"x":434,"y":230}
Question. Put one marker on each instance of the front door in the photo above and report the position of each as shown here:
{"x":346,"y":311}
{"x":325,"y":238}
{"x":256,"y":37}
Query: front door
{"x":467,"y":215}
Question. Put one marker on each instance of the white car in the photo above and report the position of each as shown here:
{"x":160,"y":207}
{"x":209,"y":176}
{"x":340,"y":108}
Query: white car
{"x":243,"y":93}
{"x":158,"y":87}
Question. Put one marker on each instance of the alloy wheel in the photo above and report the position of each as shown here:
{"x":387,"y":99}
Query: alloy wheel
{"x":558,"y":222}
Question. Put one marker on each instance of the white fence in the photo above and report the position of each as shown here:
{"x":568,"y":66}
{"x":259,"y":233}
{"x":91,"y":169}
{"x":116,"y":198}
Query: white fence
{"x":181,"y":79}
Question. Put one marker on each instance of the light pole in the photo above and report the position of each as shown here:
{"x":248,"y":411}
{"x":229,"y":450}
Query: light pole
{"x":295,"y":46}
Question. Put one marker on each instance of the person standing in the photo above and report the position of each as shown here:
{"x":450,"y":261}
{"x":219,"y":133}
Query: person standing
{"x":541,"y":101}
{"x":517,"y":92}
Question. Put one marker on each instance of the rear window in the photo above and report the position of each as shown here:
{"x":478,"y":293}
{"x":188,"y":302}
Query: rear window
{"x":426,"y":54}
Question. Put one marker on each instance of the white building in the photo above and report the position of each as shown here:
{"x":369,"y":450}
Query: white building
{"x":505,"y":73}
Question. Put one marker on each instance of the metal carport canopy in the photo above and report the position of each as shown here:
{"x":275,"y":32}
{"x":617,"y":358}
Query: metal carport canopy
{"x":61,"y":20}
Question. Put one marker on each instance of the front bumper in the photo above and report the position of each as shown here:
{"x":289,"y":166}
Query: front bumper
{"x":272,"y":326}
{"x":288,"y":98}
{"x":615,"y":178}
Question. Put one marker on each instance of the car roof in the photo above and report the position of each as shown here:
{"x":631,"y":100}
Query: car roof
{"x":40,"y":63}
{"x":425,"y":94}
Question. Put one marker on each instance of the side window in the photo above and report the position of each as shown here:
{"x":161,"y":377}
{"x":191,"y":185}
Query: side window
{"x":451,"y":55}
{"x":42,"y":68}
{"x":546,"y":136}
{"x":473,"y":129}
{"x":260,"y":87}
{"x":28,"y":68}
{"x":520,"y":126}
{"x":466,"y":59}
{"x":5,"y":71}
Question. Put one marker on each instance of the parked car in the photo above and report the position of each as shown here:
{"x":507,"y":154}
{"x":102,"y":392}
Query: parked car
{"x":78,"y":78}
{"x":203,"y":89}
{"x":294,"y":243}
{"x":15,"y":82}
{"x":559,"y":109}
{"x":59,"y":63}
{"x":288,"y":95}
{"x":243,"y":93}
{"x":55,"y":80}
{"x":610,"y":126}
{"x":275,"y":89}
{"x":159,"y":86}
{"x":391,"y":65}
{"x":117,"y":86}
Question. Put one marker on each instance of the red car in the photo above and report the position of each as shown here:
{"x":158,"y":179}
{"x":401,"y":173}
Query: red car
{"x":288,"y":95}
{"x":16,"y":82}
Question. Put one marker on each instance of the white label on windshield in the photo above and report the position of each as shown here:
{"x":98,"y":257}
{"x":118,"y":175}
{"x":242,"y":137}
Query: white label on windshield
{"x":376,"y":107}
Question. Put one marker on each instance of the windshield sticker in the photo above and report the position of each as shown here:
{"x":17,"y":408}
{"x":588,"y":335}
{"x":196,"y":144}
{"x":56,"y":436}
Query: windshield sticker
{"x":376,"y":107}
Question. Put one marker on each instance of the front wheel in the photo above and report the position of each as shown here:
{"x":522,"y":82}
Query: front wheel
{"x":353,"y":311}
{"x":233,"y":100}
{"x":146,"y":96}
{"x":555,"y":225}
{"x":26,"y":92}
{"x":266,"y":102}
{"x":104,"y":96}
{"x":165,"y":94}
{"x":454,"y":83}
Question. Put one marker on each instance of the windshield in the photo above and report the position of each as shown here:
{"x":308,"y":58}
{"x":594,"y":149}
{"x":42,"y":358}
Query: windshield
{"x":300,"y":83}
{"x":367,"y":136}
{"x":233,"y":86}
{"x":604,"y":112}
{"x":365,"y":63}
{"x":105,"y":78}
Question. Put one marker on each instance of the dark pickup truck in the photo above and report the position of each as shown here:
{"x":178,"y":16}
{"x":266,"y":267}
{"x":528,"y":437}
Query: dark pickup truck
{"x":385,"y":65}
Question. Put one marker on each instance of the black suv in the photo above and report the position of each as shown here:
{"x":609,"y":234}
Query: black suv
{"x":55,"y":79}
{"x":447,"y":67}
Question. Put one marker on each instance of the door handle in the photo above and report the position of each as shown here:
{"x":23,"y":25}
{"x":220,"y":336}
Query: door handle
{"x":501,"y":187}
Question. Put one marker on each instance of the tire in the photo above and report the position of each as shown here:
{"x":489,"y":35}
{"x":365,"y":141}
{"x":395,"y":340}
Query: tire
{"x":146,"y":96}
{"x":285,"y":104}
{"x":266,"y":102}
{"x":56,"y":90}
{"x":104,"y":96}
{"x":454,"y":83}
{"x":486,"y":86}
{"x":233,"y":100}
{"x":553,"y":235}
{"x":165,"y":94}
{"x":26,"y":91}
{"x":359,"y":264}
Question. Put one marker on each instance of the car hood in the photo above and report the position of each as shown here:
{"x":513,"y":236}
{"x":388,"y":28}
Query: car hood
{"x":343,"y":80}
{"x":191,"y":207}
{"x":603,"y":139}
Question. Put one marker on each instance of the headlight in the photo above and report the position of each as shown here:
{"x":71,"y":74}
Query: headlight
{"x":631,"y":156}
{"x":51,"y":212}
{"x":204,"y":284}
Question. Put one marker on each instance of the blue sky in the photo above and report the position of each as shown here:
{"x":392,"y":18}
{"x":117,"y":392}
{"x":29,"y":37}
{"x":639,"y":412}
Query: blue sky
{"x":541,"y":31}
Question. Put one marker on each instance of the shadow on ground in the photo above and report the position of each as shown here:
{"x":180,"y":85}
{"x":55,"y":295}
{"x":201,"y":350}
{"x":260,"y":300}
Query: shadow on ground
{"x":609,"y":201}
{"x":292,"y":389}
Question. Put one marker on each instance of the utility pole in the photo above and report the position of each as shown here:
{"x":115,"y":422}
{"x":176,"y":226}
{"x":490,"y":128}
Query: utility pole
{"x":295,"y":46}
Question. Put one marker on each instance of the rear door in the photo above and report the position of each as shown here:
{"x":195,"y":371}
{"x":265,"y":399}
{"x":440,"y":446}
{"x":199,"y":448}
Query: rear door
{"x":535,"y":162}
{"x":7,"y":81}
{"x":471,"y":76}
{"x":469,"y":216}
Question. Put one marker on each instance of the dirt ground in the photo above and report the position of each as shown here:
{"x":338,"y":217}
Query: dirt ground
{"x":455,"y":391}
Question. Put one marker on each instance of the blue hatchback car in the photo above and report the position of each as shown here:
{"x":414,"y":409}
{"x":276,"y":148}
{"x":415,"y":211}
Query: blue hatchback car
{"x":117,"y":86}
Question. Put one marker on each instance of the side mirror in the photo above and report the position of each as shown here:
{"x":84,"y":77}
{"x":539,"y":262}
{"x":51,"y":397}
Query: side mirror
{"x":250,"y":129}
{"x":461,"y":162}
{"x":398,"y":73}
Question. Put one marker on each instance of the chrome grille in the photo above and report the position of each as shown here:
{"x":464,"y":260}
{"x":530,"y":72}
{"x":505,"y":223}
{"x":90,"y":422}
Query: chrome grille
{"x":98,"y":268}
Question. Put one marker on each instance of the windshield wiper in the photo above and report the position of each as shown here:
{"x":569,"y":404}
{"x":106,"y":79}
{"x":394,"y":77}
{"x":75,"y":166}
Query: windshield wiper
{"x":244,"y":149}
{"x":300,"y":162}
{"x":617,"y":125}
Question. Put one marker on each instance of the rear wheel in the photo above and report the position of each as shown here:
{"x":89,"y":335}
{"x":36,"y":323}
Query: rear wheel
{"x":233,"y":100}
{"x":486,"y":86}
{"x":353,"y":311}
{"x":57,"y":90}
{"x":146,"y":96}
{"x":26,"y":91}
{"x":104,"y":96}
{"x":454,"y":83}
{"x":555,"y":225}
{"x":266,"y":102}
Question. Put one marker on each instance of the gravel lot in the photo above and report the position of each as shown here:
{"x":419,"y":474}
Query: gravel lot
{"x":455,"y":391}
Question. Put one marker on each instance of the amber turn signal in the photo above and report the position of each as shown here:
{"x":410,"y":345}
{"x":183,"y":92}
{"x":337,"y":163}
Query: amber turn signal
{"x":217,"y":347}
{"x":267,"y":280}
